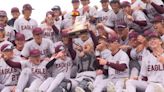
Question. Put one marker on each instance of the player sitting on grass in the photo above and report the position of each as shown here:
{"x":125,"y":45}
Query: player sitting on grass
{"x":61,"y":70}
{"x":118,"y":66}
{"x":34,"y":71}
{"x":8,"y":75}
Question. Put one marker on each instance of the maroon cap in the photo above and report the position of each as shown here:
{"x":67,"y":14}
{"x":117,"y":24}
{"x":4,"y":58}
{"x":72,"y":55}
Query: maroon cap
{"x":121,"y":25}
{"x":133,"y":34}
{"x":37,"y":31}
{"x":153,"y":34}
{"x":125,"y":4}
{"x":3,"y":13}
{"x":35,"y":53}
{"x":74,"y":1}
{"x":50,"y":13}
{"x":113,"y":38}
{"x":14,"y":9}
{"x":103,"y":1}
{"x":27,"y":7}
{"x":20,"y":37}
{"x":158,"y":18}
{"x":2,"y":27}
{"x":59,"y":48}
{"x":7,"y":47}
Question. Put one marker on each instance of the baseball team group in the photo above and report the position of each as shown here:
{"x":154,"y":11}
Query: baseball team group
{"x":118,"y":47}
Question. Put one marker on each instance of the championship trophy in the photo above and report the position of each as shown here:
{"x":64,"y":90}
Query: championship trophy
{"x":79,"y":27}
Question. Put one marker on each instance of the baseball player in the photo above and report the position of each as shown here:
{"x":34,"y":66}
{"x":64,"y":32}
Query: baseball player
{"x":8,"y":75}
{"x":118,"y":66}
{"x":15,"y":13}
{"x":19,"y":42}
{"x":44,"y":45}
{"x":57,"y":19}
{"x":118,"y":15}
{"x":75,"y":5}
{"x":136,"y":19}
{"x":105,"y":15}
{"x":50,"y":31}
{"x":9,"y":31}
{"x":61,"y":70}
{"x":3,"y":40}
{"x":151,"y":69}
{"x":88,"y":11}
{"x":153,"y":7}
{"x":158,"y":23}
{"x":34,"y":71}
{"x":26,"y":24}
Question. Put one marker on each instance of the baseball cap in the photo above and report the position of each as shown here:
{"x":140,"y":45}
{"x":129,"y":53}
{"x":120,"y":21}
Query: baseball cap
{"x":37,"y":31}
{"x":27,"y":7}
{"x":114,"y":1}
{"x":104,"y":1}
{"x":75,"y":13}
{"x":59,"y":48}
{"x":35,"y":53}
{"x":122,"y":25}
{"x":14,"y":9}
{"x":50,"y":13}
{"x":56,"y":7}
{"x":151,"y":34}
{"x":133,"y":34}
{"x":2,"y":27}
{"x":74,"y":1}
{"x":158,"y":18}
{"x":7,"y":47}
{"x":20,"y":37}
{"x":113,"y":38}
{"x":125,"y":4}
{"x":3,"y":13}
{"x":64,"y":32}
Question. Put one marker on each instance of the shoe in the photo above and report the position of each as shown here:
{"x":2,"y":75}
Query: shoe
{"x":79,"y":89}
{"x":90,"y":86}
{"x":111,"y":87}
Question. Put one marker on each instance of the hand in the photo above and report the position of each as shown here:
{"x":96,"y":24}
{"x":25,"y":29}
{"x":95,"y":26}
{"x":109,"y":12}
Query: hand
{"x":100,"y":25}
{"x":58,"y":55}
{"x":139,"y":48}
{"x":13,"y":89}
{"x":99,"y":72}
{"x":87,"y":48}
{"x":161,"y":59}
{"x":102,"y":61}
{"x":130,"y":18}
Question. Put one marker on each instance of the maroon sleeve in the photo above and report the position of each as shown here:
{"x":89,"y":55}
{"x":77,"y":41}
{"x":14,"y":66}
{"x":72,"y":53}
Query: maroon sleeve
{"x":71,"y":50}
{"x":94,"y":38}
{"x":119,"y":67}
{"x":159,"y":8}
{"x":13,"y":64}
{"x":141,"y":23}
{"x":56,"y":30}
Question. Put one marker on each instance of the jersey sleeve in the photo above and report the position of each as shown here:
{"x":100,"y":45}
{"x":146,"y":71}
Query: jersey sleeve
{"x":25,"y":51}
{"x":158,"y":2}
{"x":124,"y":59}
{"x":16,"y":25}
{"x":139,"y":16}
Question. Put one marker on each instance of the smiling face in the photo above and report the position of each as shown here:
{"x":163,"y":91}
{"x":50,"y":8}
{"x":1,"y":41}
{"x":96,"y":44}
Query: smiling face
{"x":105,"y":5}
{"x":35,"y":60}
{"x":159,"y":27}
{"x":154,"y":43}
{"x":27,"y":13}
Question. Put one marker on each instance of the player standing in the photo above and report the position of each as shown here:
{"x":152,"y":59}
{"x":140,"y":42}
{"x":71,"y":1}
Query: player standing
{"x":26,"y":24}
